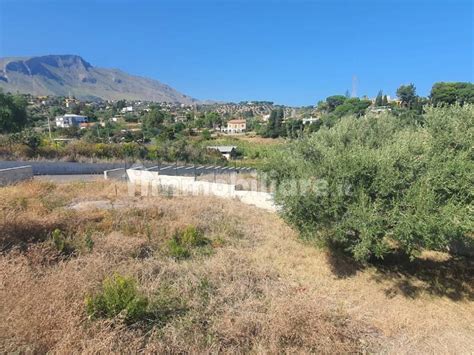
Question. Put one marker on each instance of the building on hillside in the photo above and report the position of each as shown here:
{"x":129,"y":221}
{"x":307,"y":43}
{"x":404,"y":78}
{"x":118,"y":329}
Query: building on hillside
{"x":70,"y":120}
{"x":380,"y":109}
{"x":236,"y":126}
{"x":309,"y":120}
{"x":127,"y":109}
{"x":265,"y":117}
{"x":71,"y":102}
{"x":227,"y":151}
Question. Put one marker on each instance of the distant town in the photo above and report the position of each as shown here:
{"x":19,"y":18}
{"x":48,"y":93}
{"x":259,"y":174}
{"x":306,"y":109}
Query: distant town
{"x":58,"y":127}
{"x":56,"y":113}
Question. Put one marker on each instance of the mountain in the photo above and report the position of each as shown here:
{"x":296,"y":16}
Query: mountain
{"x":64,"y":75}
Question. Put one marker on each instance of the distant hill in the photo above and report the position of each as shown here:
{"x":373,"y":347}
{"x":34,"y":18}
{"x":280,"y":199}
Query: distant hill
{"x":64,"y":75}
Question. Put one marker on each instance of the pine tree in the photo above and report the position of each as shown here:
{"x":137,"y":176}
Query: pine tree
{"x":385,"y":101}
{"x":379,"y":99}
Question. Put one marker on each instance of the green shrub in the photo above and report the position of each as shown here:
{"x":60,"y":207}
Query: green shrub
{"x":61,"y":242}
{"x":182,"y":242}
{"x":119,"y":295}
{"x":89,"y":242}
{"x":193,"y":237}
{"x":372,"y":184}
{"x":177,"y":250}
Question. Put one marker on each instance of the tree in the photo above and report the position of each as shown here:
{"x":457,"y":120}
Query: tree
{"x":322,"y":106}
{"x":407,"y":95}
{"x":31,"y":139}
{"x":56,"y":111}
{"x":13,"y":115}
{"x":385,"y":101}
{"x":120,"y":104}
{"x":354,"y":106}
{"x":90,"y":113}
{"x":371,"y":187}
{"x":212,"y":119}
{"x":334,"y":101}
{"x":153,"y":120}
{"x":294,"y":128}
{"x":275,"y":123}
{"x":379,"y":99}
{"x":451,"y":93}
{"x":206,"y":135}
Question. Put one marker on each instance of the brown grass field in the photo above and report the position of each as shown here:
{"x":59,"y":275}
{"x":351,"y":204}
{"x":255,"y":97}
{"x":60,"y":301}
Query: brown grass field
{"x":255,"y":288}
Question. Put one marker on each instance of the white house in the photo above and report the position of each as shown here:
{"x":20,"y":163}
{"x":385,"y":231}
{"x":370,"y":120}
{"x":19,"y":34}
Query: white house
{"x":309,"y":120}
{"x":70,"y":120}
{"x":235,"y":126}
{"x":127,"y":109}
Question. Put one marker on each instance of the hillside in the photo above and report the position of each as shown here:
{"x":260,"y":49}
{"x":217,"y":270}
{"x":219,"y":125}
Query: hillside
{"x":64,"y":75}
{"x":237,"y":280}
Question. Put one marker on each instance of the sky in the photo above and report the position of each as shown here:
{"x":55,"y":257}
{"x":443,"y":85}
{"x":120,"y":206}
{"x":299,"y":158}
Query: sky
{"x":290,"y":52}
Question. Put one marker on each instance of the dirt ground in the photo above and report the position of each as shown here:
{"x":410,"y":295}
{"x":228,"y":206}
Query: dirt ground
{"x":254,"y":288}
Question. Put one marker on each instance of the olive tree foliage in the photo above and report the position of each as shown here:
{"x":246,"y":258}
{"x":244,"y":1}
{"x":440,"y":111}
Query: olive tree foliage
{"x":13,"y":115}
{"x":376,"y":184}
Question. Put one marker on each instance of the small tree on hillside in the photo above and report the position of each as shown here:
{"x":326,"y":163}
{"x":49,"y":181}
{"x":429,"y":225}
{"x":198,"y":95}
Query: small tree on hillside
{"x":407,"y":95}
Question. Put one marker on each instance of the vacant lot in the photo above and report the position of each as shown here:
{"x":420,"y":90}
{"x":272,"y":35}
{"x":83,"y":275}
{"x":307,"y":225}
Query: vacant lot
{"x":244,"y":283}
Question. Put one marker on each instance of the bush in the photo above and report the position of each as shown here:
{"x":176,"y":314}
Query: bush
{"x":119,"y":296}
{"x":182,"y":242}
{"x":176,"y":250}
{"x":61,"y":242}
{"x":192,"y":237}
{"x":373,"y":184}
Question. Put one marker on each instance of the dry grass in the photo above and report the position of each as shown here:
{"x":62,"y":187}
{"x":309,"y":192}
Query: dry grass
{"x":260,"y":140}
{"x":256,"y":288}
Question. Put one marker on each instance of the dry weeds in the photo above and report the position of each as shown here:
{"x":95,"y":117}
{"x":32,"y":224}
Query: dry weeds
{"x":256,"y":289}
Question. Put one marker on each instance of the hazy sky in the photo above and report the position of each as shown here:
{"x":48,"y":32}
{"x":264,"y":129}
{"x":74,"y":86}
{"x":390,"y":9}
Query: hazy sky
{"x":291,"y":52}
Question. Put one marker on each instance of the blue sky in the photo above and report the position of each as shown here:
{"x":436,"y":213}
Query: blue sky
{"x":291,"y":52}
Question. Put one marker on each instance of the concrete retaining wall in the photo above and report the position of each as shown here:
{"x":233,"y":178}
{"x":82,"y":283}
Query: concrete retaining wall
{"x":257,"y":198}
{"x":116,"y":174}
{"x":12,"y":175}
{"x":62,"y":168}
{"x":151,"y":182}
{"x":73,"y":168}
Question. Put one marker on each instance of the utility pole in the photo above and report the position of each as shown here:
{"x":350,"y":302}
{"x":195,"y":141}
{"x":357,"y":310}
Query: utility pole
{"x":49,"y":129}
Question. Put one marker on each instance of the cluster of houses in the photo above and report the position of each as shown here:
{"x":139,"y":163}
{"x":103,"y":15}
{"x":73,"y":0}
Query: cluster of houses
{"x":70,"y":120}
